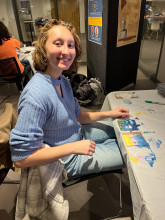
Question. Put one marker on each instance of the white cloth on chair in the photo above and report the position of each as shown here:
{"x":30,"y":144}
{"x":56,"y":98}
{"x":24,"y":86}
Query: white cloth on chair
{"x":41,"y":193}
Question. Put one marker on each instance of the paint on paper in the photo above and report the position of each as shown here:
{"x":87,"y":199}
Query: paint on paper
{"x":138,"y":149}
{"x":128,"y":125}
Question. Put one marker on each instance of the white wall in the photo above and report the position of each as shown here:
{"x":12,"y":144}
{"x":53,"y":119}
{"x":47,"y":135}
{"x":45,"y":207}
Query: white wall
{"x":3,"y":13}
{"x":8,"y":18}
{"x":82,"y":16}
{"x":41,"y":8}
{"x":161,"y":70}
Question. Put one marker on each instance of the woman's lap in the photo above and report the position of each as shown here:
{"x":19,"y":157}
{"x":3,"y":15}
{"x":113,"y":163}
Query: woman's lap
{"x":107,"y":155}
{"x":98,"y":131}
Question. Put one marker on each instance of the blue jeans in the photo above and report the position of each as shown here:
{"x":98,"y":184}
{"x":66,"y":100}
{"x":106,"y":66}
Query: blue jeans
{"x":107,"y":155}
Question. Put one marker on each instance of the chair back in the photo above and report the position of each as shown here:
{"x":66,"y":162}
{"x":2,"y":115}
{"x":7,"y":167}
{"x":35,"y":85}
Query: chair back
{"x":8,"y":120}
{"x":155,"y":26}
{"x":9,"y":68}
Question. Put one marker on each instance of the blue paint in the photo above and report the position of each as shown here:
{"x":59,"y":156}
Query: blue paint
{"x":150,"y":139}
{"x":158,"y":143}
{"x":150,"y":159}
{"x":139,"y":140}
{"x":137,"y":118}
{"x":128,"y":125}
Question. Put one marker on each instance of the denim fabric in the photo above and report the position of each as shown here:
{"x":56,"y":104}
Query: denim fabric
{"x":107,"y":155}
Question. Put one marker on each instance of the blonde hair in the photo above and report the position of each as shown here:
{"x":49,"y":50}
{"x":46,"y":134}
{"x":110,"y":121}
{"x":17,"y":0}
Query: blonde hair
{"x":39,"y":56}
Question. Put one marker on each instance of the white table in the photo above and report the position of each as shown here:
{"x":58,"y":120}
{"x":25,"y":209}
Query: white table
{"x":25,"y":53}
{"x":146,"y":165}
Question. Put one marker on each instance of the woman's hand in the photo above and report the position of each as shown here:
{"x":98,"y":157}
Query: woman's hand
{"x":88,"y":117}
{"x":84,"y":147}
{"x":119,"y":112}
{"x":34,"y":43}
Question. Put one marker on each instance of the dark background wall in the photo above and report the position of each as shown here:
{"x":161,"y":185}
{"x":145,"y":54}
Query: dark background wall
{"x":97,"y":54}
{"x":116,"y":67}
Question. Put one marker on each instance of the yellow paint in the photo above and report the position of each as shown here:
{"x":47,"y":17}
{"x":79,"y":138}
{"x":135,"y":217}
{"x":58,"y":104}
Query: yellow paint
{"x":129,"y":143}
{"x":140,"y":113}
{"x":127,"y":139}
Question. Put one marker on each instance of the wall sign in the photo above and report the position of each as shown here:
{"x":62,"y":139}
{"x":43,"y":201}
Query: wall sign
{"x":95,"y":21}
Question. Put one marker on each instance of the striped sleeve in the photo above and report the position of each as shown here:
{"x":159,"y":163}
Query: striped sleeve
{"x":27,"y":135}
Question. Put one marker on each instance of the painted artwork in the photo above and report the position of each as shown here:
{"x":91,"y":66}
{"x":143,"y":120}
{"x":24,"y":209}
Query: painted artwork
{"x":128,"y":125}
{"x":143,"y":134}
{"x":134,"y":139}
{"x":128,"y":21}
{"x":138,"y":148}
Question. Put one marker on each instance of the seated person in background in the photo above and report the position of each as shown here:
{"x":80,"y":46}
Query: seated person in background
{"x":8,"y":46}
{"x":50,"y":114}
{"x":39,"y":23}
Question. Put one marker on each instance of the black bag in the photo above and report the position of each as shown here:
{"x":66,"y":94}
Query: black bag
{"x":87,"y":91}
{"x":85,"y":94}
{"x":75,"y":80}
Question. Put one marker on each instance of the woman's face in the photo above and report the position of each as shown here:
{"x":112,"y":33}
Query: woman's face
{"x":60,"y":49}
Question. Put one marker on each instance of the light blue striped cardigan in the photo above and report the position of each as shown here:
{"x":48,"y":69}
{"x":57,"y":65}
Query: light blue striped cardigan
{"x":44,"y":116}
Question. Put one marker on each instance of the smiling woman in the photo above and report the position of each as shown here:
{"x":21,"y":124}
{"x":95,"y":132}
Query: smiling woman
{"x":60,"y":50}
{"x":40,"y":56}
{"x":50,"y":114}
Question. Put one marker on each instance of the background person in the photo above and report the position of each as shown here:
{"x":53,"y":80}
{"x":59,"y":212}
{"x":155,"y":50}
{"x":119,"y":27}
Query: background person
{"x":49,"y":113}
{"x":39,"y":23}
{"x":8,"y":47}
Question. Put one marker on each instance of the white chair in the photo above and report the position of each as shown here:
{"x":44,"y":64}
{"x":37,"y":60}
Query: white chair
{"x":155,"y":26}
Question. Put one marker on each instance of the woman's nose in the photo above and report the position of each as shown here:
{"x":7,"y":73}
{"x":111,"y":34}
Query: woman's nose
{"x":65,"y":49}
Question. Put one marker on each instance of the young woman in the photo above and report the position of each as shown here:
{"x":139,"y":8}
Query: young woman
{"x":49,"y":114}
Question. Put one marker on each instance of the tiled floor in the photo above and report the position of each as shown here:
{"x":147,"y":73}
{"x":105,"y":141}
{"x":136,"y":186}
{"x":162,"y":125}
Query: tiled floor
{"x":97,"y":198}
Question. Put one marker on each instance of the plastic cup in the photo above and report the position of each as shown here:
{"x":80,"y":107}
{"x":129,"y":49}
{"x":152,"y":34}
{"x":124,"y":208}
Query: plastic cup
{"x":127,"y":98}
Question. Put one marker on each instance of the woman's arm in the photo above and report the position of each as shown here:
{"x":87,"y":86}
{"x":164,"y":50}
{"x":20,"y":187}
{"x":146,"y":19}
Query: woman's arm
{"x":88,"y":117}
{"x":46,"y":155}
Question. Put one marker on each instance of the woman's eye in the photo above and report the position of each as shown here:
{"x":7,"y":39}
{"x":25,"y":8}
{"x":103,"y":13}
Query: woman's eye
{"x":58,"y":44}
{"x":71,"y":46}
